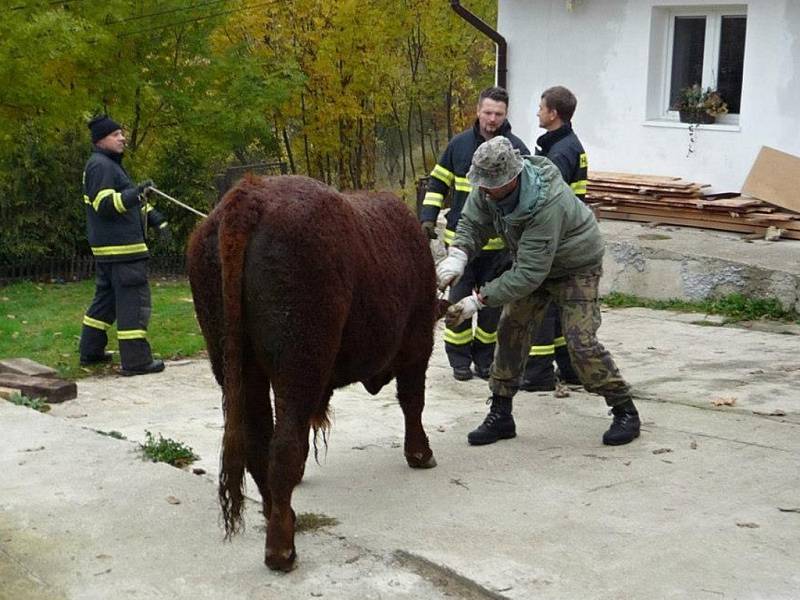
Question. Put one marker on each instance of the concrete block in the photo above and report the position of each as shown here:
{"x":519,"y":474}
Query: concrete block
{"x":26,"y":366}
{"x":50,"y":389}
{"x":7,"y":392}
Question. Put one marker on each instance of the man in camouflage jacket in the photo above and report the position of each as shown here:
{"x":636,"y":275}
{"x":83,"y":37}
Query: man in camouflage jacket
{"x":557,"y":253}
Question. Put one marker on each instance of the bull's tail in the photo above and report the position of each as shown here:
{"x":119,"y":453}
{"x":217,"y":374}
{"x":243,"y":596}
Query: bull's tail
{"x":236,"y":224}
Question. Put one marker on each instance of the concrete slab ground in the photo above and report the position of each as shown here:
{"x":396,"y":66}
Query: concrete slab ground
{"x":706,"y":504}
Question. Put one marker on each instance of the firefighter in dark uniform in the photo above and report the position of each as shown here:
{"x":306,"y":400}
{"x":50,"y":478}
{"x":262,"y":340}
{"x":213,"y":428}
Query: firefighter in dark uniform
{"x":562,"y":147}
{"x":117,"y":215}
{"x":463,"y":346}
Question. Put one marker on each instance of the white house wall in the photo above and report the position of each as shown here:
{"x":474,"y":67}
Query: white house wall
{"x":601,"y":51}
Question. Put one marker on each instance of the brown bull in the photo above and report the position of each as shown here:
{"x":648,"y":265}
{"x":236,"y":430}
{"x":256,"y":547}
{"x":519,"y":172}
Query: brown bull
{"x":304,"y":289}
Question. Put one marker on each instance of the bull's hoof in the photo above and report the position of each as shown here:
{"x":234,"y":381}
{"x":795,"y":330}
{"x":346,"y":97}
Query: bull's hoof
{"x":280,"y":560}
{"x":421,"y":460}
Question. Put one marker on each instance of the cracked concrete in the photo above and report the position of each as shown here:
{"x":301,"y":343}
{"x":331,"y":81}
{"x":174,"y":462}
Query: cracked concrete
{"x":693,"y":264}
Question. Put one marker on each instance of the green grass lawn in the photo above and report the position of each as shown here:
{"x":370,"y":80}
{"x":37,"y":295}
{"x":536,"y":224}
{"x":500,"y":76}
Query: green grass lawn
{"x":42,"y":322}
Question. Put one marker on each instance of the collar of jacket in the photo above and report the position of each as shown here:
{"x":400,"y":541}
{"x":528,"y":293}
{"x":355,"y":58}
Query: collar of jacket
{"x":546,"y":141}
{"x":534,"y":188}
{"x":117,"y":158}
{"x":503,"y":130}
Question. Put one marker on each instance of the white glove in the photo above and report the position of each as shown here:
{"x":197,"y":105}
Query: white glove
{"x":463,"y":309}
{"x":450,"y":270}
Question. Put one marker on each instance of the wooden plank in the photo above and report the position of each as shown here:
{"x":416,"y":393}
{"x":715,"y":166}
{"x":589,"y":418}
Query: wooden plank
{"x":51,"y":389}
{"x":612,"y":175}
{"x":775,"y":178}
{"x":26,"y":366}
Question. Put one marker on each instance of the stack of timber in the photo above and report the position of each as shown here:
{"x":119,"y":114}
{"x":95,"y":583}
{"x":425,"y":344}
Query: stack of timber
{"x":672,"y":201}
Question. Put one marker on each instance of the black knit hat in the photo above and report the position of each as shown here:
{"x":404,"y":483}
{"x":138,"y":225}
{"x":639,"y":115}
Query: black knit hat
{"x":101,"y":126}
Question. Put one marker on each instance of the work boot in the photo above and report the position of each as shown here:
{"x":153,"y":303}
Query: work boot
{"x":90,"y":361}
{"x":625,"y":426}
{"x":538,"y":386}
{"x":570,"y":378}
{"x":498,"y":424}
{"x":462,"y":373}
{"x":156,"y":366}
{"x":482,"y":372}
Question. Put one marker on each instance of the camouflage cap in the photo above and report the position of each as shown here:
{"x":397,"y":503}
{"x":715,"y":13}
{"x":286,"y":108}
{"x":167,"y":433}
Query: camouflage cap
{"x":494,"y":163}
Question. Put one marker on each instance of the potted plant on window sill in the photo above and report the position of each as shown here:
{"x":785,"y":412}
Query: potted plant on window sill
{"x":698,"y":106}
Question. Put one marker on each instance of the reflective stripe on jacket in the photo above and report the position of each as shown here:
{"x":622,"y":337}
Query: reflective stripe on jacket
{"x":564,"y":148}
{"x":451,"y":172}
{"x":115,"y":216}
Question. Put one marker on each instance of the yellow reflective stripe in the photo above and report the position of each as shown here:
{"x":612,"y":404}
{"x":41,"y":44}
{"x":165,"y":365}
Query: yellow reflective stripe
{"x":148,"y":208}
{"x":86,"y":199}
{"x":113,"y":250}
{"x":542,"y":350}
{"x":96,"y":323}
{"x":433,"y":199}
{"x":458,"y":339}
{"x":131,"y":334}
{"x":559,"y":342}
{"x":583,"y":161}
{"x":443,"y":175}
{"x":101,"y":195}
{"x":485,"y":336}
{"x":463,"y":184}
{"x":495,"y":243}
{"x":579,"y":187}
{"x":164,"y":224}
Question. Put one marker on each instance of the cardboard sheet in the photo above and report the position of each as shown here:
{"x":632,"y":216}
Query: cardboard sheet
{"x":775,"y":178}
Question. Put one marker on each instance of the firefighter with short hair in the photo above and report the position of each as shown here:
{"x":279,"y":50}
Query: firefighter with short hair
{"x":463,"y":346}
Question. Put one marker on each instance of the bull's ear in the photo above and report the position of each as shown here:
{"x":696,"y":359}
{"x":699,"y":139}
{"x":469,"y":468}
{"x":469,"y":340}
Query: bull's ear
{"x":441,"y":307}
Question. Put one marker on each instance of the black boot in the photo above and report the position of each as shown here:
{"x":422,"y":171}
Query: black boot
{"x":625,"y":426}
{"x":498,"y":424}
{"x":156,"y":366}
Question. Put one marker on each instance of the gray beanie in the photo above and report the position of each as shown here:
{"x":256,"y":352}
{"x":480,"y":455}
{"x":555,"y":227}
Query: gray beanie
{"x":495,"y":163}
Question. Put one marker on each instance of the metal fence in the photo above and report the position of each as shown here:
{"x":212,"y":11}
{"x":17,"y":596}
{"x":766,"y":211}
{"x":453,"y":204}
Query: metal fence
{"x":77,"y":268}
{"x":225,"y":181}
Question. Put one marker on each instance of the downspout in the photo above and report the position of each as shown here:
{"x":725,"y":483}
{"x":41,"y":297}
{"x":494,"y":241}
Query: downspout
{"x":498,"y":39}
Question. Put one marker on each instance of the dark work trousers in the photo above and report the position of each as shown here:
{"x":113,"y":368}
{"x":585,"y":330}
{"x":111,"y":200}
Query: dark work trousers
{"x":463,"y":345}
{"x":548,"y":344}
{"x":122,"y":294}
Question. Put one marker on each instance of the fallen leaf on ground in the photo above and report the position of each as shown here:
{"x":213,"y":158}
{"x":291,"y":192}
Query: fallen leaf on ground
{"x":662,"y":450}
{"x":693,"y":445}
{"x":723,"y":401}
{"x":173,"y":500}
{"x":748,"y":525}
{"x":792,"y":510}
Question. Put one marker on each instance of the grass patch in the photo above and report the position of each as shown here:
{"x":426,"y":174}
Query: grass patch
{"x":42,"y":321}
{"x":314,"y":521}
{"x":734,"y":307}
{"x":34,"y":403}
{"x":163,"y":449}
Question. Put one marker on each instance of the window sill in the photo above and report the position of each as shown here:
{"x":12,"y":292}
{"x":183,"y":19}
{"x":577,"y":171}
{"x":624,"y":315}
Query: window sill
{"x":670,"y":123}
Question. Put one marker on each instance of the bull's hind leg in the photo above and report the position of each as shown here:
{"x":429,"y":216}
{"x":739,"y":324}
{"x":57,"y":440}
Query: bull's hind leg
{"x":286,"y":464}
{"x":411,"y":395}
{"x":258,"y":423}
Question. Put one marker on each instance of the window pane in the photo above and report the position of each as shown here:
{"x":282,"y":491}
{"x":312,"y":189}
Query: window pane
{"x":731,"y":60}
{"x":687,"y":54}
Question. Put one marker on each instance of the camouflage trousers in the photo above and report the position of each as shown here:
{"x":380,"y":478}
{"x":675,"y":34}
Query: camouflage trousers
{"x":577,"y":299}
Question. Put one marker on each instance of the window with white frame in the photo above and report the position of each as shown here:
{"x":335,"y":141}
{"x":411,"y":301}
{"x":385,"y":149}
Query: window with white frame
{"x":696,"y":45}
